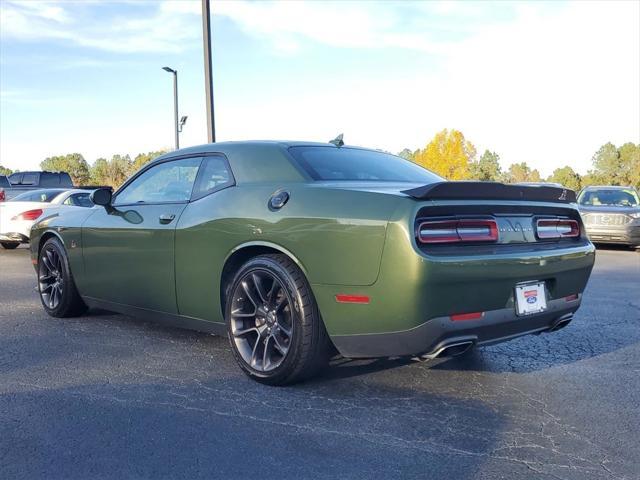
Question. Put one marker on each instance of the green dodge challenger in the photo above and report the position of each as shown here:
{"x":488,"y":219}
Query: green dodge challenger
{"x":296,"y":249}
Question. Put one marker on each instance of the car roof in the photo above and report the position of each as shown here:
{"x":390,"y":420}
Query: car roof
{"x":253,"y":160}
{"x":609,"y":187}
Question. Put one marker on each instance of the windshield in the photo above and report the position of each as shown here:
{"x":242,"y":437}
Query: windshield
{"x":37,"y":196}
{"x":611,"y":197}
{"x":330,"y":163}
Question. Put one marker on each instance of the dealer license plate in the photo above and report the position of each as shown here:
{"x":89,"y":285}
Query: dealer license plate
{"x":530,"y":298}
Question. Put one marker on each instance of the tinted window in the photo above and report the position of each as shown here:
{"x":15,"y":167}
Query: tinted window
{"x":214,"y":175}
{"x":79,"y":200}
{"x":30,"y":179}
{"x":330,"y":163}
{"x":4,"y":182}
{"x":166,"y":182}
{"x":37,"y":196}
{"x":616,"y":197}
{"x":15,"y":178}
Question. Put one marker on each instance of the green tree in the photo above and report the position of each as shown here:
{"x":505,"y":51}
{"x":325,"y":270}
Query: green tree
{"x":566,"y":177}
{"x":630,"y":160}
{"x":487,"y":168}
{"x":112,"y":172}
{"x":407,"y":154}
{"x":448,"y":155}
{"x":5,"y":170}
{"x":73,"y":163}
{"x":142,"y":159}
{"x":607,"y":165}
{"x":521,"y":172}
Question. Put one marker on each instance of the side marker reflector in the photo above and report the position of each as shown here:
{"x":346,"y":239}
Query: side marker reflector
{"x":466,"y":316}
{"x":343,"y":298}
{"x":571,"y":298}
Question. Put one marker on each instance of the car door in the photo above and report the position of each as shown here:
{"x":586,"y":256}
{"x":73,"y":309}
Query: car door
{"x":128,"y":247}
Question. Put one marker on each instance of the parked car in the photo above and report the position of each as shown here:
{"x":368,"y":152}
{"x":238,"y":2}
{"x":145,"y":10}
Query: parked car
{"x":293,"y":249}
{"x":4,"y":186}
{"x":18,"y":214}
{"x":21,"y":182}
{"x":611,"y":214}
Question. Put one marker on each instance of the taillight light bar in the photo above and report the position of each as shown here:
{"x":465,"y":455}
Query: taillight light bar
{"x":28,"y":215}
{"x":460,"y":230}
{"x":557,"y":228}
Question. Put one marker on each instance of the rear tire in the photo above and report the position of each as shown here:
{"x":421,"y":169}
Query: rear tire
{"x":9,"y":245}
{"x":276,"y":333}
{"x":57,"y":288}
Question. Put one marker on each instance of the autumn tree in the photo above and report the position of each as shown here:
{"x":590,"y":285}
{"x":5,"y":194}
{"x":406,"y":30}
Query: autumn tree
{"x":567,"y":177}
{"x":487,"y":168}
{"x":448,"y":155}
{"x":5,"y":170}
{"x":73,"y":163}
{"x":521,"y":172}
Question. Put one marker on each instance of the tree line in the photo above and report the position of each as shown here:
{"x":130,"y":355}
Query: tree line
{"x":453,"y":157}
{"x":112,"y":172}
{"x":448,"y":154}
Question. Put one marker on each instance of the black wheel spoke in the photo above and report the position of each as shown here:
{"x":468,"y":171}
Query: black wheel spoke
{"x":245,"y":287}
{"x":258,"y":284}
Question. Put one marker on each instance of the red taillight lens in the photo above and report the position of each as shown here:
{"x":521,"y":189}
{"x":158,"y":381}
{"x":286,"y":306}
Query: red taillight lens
{"x":557,"y":228}
{"x":466,"y":316}
{"x":453,"y":231}
{"x":28,"y":215}
{"x":3,"y":196}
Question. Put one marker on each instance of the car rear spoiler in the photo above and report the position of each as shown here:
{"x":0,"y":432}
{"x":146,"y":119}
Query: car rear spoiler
{"x":491,"y":191}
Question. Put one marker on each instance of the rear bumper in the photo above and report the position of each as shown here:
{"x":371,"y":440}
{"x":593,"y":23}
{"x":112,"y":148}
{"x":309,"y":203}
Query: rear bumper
{"x":433,"y":336}
{"x":627,"y":235}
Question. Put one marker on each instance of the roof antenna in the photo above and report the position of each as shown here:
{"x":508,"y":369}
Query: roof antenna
{"x":338,"y":142}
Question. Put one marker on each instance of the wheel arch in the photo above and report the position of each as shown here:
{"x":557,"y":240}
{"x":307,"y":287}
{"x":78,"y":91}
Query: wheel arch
{"x":46,"y":236}
{"x":240,"y":254}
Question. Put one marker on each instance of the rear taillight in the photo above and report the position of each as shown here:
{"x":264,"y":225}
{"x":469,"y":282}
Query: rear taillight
{"x":28,"y":215}
{"x":557,"y":228}
{"x":455,"y":231}
{"x":3,"y":196}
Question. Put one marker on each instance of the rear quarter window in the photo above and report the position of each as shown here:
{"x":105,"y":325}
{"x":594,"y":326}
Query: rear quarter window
{"x":354,"y":164}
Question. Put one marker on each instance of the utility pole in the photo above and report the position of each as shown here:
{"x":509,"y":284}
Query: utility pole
{"x":208,"y":82}
{"x":175,"y":102}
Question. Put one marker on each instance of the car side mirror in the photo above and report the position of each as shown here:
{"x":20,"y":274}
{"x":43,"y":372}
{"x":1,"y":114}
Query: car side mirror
{"x":101,"y":196}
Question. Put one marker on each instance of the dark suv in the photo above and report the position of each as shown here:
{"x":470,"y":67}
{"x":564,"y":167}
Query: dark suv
{"x":611,"y":214}
{"x":20,"y":182}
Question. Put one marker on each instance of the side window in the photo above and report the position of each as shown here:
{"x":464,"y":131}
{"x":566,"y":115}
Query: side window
{"x":15,"y":178}
{"x":214,"y":175}
{"x":30,"y":179}
{"x":79,"y":200}
{"x":170,"y":181}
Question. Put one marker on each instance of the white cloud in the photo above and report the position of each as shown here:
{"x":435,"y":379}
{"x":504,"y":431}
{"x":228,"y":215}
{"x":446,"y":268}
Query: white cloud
{"x":546,"y":86}
{"x":167,"y":27}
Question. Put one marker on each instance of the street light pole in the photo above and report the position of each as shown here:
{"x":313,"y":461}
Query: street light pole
{"x":208,"y":83}
{"x":175,"y":102}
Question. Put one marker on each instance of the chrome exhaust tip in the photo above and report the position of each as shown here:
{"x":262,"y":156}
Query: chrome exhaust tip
{"x":452,"y":349}
{"x":561,"y":323}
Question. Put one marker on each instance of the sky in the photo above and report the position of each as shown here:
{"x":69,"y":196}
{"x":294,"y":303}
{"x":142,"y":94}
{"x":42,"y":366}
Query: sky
{"x":546,"y":83}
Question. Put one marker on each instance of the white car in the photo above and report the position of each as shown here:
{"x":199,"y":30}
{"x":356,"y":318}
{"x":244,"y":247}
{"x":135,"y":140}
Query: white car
{"x":19,"y":214}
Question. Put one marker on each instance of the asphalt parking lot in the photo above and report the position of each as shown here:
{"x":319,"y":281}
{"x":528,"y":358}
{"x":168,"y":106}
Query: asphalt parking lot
{"x":107,"y":396}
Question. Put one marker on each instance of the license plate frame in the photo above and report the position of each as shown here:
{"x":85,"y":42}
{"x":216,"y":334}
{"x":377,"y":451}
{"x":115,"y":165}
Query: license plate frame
{"x":530,"y":298}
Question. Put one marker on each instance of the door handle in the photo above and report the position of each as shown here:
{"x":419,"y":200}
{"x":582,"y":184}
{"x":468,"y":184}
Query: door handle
{"x":166,"y":218}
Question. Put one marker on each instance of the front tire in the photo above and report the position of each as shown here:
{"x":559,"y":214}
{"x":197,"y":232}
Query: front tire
{"x":9,"y":245}
{"x":58,"y":292}
{"x":275,"y":330}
